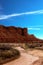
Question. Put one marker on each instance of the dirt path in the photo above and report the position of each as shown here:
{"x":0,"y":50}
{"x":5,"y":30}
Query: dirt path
{"x":25,"y":59}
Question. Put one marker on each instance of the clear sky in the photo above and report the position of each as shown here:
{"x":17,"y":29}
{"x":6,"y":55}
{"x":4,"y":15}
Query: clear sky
{"x":23,"y":13}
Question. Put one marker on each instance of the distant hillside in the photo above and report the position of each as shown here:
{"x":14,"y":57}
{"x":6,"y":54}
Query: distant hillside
{"x":16,"y":34}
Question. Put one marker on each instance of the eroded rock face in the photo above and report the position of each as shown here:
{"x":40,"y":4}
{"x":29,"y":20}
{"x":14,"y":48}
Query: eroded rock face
{"x":16,"y":34}
{"x":12,"y":34}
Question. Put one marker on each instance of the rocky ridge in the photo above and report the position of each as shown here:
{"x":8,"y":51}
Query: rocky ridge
{"x":13,"y":34}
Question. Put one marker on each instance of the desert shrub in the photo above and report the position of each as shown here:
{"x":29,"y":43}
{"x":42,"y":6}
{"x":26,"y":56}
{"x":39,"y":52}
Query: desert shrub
{"x":16,"y":52}
{"x":5,"y":47}
{"x":31,"y":46}
{"x":8,"y":53}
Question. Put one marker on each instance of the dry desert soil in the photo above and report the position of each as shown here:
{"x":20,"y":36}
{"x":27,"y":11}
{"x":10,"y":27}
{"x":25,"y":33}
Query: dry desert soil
{"x":28,"y":57}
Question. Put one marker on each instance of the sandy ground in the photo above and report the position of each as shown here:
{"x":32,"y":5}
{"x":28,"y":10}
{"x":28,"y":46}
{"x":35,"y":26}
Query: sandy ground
{"x":37,"y":53}
{"x":38,"y":62}
{"x":25,"y":59}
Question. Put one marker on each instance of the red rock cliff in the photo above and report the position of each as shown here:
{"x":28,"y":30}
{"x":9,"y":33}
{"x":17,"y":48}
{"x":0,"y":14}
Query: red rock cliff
{"x":16,"y":34}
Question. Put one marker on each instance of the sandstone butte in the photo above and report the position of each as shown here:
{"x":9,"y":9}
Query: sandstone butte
{"x":13,"y":34}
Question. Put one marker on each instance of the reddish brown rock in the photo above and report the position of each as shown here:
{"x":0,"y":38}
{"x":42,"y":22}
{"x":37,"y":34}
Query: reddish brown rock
{"x":16,"y":34}
{"x":24,"y":31}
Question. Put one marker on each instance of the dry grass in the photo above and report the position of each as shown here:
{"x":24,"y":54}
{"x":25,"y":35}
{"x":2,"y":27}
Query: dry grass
{"x":7,"y":54}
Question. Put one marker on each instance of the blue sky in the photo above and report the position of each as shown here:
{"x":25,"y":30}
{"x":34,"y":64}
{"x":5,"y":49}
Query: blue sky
{"x":23,"y":13}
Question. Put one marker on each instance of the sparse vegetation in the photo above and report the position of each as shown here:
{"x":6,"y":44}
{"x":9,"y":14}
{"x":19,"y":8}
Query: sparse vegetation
{"x":7,"y":53}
